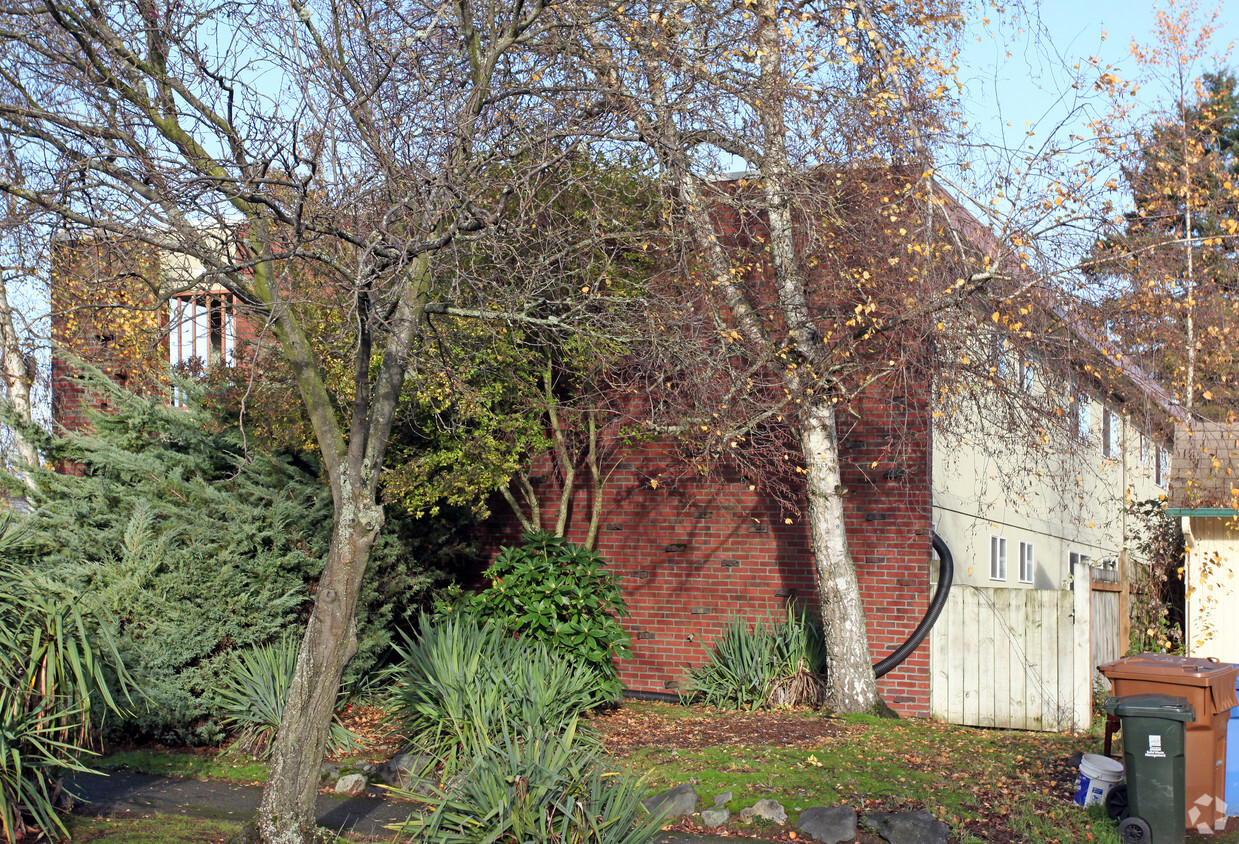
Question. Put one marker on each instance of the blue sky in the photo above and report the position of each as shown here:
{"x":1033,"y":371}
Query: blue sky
{"x":1017,"y":69}
{"x":1026,"y":85}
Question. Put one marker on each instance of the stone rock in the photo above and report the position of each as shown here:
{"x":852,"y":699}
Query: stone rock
{"x":715,"y":817}
{"x":722,"y":799}
{"x":830,"y":825}
{"x":678,"y":801}
{"x":329,"y":772}
{"x":404,"y":771}
{"x":353,"y":785}
{"x":907,"y":827}
{"x":770,"y":810}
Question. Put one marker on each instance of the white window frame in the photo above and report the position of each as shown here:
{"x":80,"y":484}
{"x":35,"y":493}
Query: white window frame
{"x":999,"y":352}
{"x":1026,"y":375}
{"x":176,"y":322}
{"x":997,"y":557}
{"x":1161,"y":468}
{"x":1027,"y":562}
{"x":189,"y":332}
{"x":1111,"y":434}
{"x":1083,"y":416}
{"x":1077,"y":562}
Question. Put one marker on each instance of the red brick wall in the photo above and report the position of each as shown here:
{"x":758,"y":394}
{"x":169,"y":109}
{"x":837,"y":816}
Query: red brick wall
{"x":695,"y":554}
{"x":104,"y":311}
{"x":107,"y":310}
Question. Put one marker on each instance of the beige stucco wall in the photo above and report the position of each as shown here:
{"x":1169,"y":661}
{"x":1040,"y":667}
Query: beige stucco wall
{"x":1059,"y":494}
{"x":1212,"y":589}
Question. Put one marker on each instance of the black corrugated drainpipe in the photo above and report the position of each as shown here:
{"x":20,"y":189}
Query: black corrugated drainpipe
{"x":946,"y":573}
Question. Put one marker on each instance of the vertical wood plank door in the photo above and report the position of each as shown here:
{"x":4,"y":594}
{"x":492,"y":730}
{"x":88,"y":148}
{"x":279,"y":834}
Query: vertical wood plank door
{"x":1013,"y":658}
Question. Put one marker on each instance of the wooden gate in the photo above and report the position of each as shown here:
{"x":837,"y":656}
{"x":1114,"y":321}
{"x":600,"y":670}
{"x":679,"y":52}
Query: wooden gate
{"x":1107,"y":629}
{"x":1016,"y":658}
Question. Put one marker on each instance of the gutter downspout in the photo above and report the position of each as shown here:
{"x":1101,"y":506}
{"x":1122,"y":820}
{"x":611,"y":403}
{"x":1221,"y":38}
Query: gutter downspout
{"x":1185,"y":524}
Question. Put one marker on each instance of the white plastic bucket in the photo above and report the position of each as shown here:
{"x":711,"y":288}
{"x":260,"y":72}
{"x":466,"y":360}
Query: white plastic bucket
{"x":1098,"y":774}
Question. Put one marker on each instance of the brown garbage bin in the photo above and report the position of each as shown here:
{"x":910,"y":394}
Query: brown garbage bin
{"x":1209,"y":686}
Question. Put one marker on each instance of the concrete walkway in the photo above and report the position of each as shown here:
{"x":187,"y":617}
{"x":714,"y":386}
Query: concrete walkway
{"x":121,"y":793}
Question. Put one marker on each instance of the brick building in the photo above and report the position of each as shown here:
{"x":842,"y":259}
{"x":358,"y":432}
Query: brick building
{"x":137,"y":316}
{"x":694,"y":554}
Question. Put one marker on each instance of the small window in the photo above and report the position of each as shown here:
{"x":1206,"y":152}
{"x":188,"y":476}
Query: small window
{"x":998,"y":357}
{"x":1026,"y":374}
{"x":1083,"y":417}
{"x":202,"y":332}
{"x":997,"y":558}
{"x":202,"y":326}
{"x":1026,"y":562}
{"x":1111,"y":434}
{"x":1107,"y":571}
{"x":1161,"y":468}
{"x":1144,"y":449}
{"x":1077,"y":564}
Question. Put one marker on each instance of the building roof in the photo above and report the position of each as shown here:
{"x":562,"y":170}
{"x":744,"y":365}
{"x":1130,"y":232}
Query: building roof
{"x":1204,"y":477}
{"x":1008,"y":263}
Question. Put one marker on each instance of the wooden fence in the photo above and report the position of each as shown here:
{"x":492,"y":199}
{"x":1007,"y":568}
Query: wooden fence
{"x":1016,"y":658}
{"x":1108,"y":636}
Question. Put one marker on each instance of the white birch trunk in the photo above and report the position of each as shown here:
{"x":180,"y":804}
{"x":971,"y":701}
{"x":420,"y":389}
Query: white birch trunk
{"x":17,"y":379}
{"x":850,"y":681}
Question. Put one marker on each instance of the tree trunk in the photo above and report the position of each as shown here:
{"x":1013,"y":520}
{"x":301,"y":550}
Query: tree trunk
{"x":286,"y":815}
{"x":17,"y":379}
{"x":849,"y":666}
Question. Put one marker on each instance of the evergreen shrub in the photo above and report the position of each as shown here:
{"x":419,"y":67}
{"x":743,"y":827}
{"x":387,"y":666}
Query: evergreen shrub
{"x":253,"y":691}
{"x":198,"y":545}
{"x":553,"y":591}
{"x":503,"y":715}
{"x":56,"y":666}
{"x":551,"y":786}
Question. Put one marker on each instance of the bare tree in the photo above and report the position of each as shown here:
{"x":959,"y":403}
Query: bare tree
{"x":22,"y":305}
{"x":350,"y":143}
{"x":836,"y":258}
{"x":826,"y":110}
{"x":1165,"y":275}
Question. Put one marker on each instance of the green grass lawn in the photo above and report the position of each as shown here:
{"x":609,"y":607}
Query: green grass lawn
{"x":219,"y":765}
{"x":977,"y":781}
{"x":998,"y":786}
{"x":987,"y":785}
{"x":162,"y":829}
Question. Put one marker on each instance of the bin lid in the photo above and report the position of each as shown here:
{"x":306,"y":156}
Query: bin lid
{"x":1218,"y":677}
{"x":1151,"y":706}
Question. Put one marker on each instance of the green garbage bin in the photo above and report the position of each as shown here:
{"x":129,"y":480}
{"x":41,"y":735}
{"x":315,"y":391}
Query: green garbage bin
{"x":1153,"y":740}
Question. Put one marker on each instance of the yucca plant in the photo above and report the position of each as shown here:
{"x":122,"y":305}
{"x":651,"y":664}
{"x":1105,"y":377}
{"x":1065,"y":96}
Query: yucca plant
{"x":55,"y":667}
{"x":772,"y":663}
{"x":462,"y":681}
{"x":253,"y":691}
{"x":524,"y":787}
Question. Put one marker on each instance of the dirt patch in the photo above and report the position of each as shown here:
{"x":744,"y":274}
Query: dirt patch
{"x":624,"y":730}
{"x":379,"y":734}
